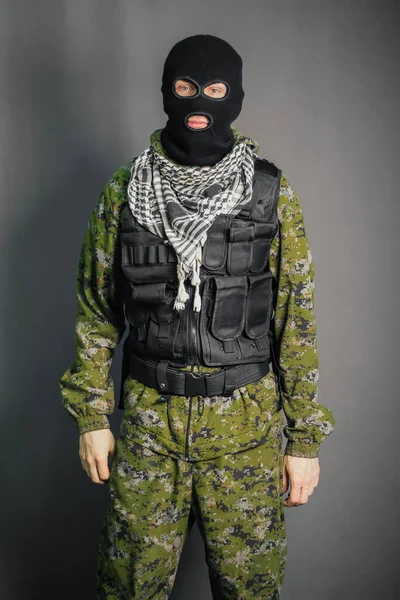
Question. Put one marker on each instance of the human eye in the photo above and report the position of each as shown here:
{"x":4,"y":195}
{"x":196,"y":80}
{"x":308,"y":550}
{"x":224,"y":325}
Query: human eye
{"x":184,"y":89}
{"x":216,"y":90}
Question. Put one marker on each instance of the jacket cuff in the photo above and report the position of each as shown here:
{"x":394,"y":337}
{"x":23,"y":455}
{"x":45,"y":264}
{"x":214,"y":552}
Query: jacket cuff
{"x":302,"y":449}
{"x":85,"y":424}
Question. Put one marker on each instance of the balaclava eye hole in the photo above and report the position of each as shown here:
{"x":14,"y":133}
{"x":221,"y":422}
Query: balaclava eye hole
{"x":201,"y":59}
{"x":225,"y":90}
{"x":195,"y":89}
{"x":185,"y":80}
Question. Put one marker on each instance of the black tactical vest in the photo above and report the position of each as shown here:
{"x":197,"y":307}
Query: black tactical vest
{"x":236,"y":286}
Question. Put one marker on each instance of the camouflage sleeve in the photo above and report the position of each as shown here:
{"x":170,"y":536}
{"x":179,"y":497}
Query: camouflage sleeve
{"x":308,"y":422}
{"x":87,"y":388}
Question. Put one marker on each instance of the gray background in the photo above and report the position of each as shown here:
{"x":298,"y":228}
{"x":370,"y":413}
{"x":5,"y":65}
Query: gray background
{"x":80,"y":95}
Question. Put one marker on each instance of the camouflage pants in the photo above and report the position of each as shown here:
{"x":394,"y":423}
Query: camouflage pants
{"x":155,"y":497}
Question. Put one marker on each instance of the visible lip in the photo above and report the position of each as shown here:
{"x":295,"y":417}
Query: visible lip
{"x":197,"y":119}
{"x":197,"y":122}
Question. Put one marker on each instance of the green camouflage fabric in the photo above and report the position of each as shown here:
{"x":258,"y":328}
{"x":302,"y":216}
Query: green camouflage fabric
{"x":154,"y":499}
{"x":227,"y":425}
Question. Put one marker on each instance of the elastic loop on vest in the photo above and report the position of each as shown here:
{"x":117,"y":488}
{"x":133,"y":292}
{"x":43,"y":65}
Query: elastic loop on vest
{"x":139,"y":254}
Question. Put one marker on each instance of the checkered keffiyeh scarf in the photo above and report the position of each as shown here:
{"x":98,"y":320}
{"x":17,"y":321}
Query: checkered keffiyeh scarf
{"x":180,"y":203}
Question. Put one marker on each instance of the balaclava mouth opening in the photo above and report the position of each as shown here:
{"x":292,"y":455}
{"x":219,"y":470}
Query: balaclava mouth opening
{"x":201,"y":59}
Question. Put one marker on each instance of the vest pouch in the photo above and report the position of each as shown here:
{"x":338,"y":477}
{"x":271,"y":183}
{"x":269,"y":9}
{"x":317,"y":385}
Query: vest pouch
{"x":259,"y":305}
{"x":222,"y":318}
{"x":240,"y":247}
{"x":215,"y":248}
{"x":155,"y":321}
{"x":164,"y":321}
{"x":163,"y":329}
{"x":263,"y":235}
{"x":229,"y":307}
{"x":159,"y":300}
{"x":154,"y":293}
{"x":255,"y":341}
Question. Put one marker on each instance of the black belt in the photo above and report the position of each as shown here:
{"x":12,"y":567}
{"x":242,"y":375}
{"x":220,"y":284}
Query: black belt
{"x":172,"y":381}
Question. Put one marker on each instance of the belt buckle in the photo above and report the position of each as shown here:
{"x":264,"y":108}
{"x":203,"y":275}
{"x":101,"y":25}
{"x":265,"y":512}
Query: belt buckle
{"x":192,"y":392}
{"x":199,"y":374}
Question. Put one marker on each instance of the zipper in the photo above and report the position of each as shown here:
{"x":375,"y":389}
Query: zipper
{"x":196,"y":337}
{"x":189,"y":311}
{"x":193,"y":322}
{"x":185,"y":344}
{"x":189,"y":328}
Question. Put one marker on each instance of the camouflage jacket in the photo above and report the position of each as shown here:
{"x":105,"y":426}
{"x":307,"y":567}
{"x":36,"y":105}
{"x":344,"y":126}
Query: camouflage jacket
{"x":87,"y":388}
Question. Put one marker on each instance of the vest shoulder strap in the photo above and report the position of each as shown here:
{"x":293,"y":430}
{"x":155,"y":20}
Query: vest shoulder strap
{"x":267,"y":166}
{"x":266,"y":184}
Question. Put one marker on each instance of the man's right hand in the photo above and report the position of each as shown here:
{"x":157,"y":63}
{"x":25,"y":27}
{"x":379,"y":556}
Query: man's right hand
{"x":94,"y":447}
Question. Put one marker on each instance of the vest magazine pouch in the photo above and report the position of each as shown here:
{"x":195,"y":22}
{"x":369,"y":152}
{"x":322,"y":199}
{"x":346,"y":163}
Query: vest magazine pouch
{"x":154,"y":293}
{"x":153,"y":320}
{"x":235,"y":319}
{"x":215,"y":249}
{"x":240,"y":247}
{"x":163,"y":328}
{"x":263,"y":235}
{"x":229,"y":307}
{"x":222,"y":318}
{"x":259,"y":305}
{"x":164,"y":320}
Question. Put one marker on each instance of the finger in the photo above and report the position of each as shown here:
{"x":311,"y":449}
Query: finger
{"x":102,"y":469}
{"x":294,"y":496}
{"x":289,"y":503}
{"x":93,"y":474}
{"x":305,"y":493}
{"x":295,"y":491}
{"x":285,"y":480}
{"x":310,"y":490}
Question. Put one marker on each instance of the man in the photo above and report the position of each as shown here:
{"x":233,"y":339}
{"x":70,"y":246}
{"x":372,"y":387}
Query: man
{"x":200,"y":245}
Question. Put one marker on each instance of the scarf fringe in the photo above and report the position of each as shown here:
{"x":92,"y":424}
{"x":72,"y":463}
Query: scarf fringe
{"x":182,"y":295}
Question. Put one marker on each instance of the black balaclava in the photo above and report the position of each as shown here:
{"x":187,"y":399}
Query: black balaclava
{"x":202,"y":59}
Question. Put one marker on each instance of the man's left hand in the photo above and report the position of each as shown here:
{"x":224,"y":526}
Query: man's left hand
{"x":303,"y":474}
